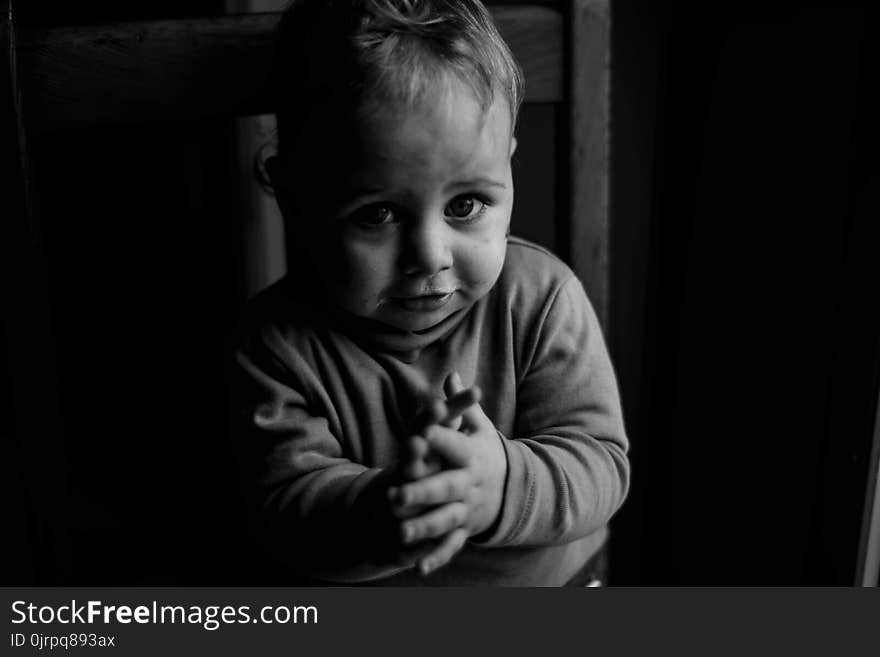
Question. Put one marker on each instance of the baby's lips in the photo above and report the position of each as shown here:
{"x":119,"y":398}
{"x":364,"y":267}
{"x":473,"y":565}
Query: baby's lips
{"x":427,"y":303}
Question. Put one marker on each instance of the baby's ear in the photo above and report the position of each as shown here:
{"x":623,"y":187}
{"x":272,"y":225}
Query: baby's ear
{"x":272,"y":170}
{"x":276,"y":178}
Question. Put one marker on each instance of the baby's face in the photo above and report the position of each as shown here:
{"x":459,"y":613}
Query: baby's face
{"x":417,"y":230}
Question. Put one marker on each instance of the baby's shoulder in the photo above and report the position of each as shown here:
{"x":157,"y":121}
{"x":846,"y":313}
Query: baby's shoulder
{"x":277,"y":315}
{"x":531,"y":273}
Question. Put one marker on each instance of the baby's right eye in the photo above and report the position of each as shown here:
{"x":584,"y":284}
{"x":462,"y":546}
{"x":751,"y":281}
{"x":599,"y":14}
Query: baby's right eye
{"x":371,"y":216}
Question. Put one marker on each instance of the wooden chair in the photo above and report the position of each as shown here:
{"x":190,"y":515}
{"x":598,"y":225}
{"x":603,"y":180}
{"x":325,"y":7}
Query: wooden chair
{"x":62,"y":79}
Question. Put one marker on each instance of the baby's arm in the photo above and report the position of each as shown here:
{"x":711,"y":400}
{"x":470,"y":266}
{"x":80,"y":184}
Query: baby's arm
{"x":568,"y":470}
{"x":323,"y":514}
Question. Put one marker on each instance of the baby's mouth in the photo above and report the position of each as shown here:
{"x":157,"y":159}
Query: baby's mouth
{"x":423,"y":303}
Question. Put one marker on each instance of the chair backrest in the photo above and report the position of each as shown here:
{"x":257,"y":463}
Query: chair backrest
{"x":66,"y":78}
{"x":181,"y":69}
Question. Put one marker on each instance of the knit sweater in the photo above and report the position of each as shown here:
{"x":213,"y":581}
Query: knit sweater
{"x":325,"y":402}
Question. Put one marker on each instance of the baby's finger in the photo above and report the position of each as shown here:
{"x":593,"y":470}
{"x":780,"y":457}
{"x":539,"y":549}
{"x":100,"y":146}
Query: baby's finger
{"x":473,"y":416}
{"x":452,"y":385}
{"x":419,"y":462}
{"x":459,"y":403}
{"x":411,"y":472}
{"x":443,"y":487}
{"x":418,"y":447}
{"x":434,"y":524}
{"x":450,"y":445}
{"x":433,"y":413}
{"x":450,"y":546}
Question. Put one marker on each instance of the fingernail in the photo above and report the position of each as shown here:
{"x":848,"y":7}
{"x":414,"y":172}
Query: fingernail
{"x":426,"y":567}
{"x":407,"y":531}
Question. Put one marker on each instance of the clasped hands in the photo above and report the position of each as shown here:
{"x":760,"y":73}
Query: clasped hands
{"x":449,"y":485}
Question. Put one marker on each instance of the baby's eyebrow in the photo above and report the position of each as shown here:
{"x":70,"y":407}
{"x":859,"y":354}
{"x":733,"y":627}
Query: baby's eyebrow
{"x":479,"y":181}
{"x":361,"y":191}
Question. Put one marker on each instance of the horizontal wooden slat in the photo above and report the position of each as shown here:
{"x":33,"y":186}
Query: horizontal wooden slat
{"x":184,"y":69}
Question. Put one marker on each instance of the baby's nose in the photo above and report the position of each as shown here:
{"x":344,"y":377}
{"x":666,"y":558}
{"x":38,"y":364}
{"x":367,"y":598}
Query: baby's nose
{"x":426,"y":249}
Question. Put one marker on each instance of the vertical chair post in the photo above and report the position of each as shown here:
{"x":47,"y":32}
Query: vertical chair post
{"x":589,"y":54}
{"x":868,"y":567}
{"x":37,"y":442}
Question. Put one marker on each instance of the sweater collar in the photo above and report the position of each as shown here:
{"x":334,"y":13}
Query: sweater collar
{"x":404,"y":345}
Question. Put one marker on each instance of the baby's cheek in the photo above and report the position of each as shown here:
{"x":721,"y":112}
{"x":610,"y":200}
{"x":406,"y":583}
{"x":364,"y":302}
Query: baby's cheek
{"x":483,"y":264}
{"x":364,"y":271}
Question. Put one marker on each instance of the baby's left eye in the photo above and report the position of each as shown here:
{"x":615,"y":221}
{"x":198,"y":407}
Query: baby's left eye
{"x":462,"y":207}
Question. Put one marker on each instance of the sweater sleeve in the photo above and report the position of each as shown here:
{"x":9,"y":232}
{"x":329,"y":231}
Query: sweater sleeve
{"x":312,"y":505}
{"x":568,"y":470}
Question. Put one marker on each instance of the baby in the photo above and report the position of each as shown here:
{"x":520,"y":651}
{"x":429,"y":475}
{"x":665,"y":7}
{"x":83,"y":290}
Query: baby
{"x":423,"y":399}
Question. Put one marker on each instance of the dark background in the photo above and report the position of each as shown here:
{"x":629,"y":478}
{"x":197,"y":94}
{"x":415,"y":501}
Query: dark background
{"x":745,"y":195}
{"x":744,"y":315}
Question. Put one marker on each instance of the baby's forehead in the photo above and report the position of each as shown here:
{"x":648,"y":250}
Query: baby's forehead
{"x":445,"y":100}
{"x":424,"y":154}
{"x":413,"y":92}
{"x":441,"y":105}
{"x":449,"y":116}
{"x":385,"y":138}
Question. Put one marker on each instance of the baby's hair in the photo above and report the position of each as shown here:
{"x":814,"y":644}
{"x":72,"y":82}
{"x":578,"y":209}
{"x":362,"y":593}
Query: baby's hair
{"x":360,"y":56}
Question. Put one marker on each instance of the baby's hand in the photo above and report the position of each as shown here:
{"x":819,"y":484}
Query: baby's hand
{"x":382,"y":516}
{"x":465,"y":498}
{"x":380,"y":523}
{"x":419,"y":461}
